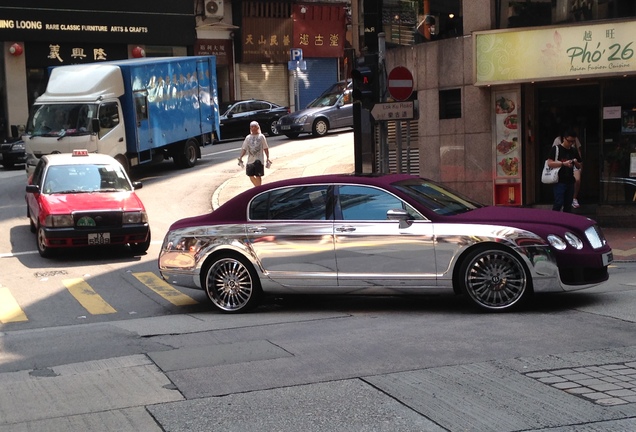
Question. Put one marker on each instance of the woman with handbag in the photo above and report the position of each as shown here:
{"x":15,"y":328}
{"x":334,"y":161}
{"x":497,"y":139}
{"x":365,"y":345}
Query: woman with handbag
{"x":255,"y":146}
{"x":568,"y":158}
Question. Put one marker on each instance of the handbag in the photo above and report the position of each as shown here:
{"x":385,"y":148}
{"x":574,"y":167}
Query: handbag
{"x":550,"y":175}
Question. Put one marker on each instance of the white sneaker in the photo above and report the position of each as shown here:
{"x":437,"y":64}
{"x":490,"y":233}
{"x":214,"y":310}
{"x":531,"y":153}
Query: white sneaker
{"x":575,"y":203}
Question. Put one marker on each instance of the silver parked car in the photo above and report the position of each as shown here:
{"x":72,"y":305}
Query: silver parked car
{"x":394,"y":234}
{"x":333,"y":109}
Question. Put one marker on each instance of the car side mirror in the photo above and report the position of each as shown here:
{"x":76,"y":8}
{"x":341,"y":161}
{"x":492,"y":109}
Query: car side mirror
{"x":400,"y":215}
{"x":137,"y":185}
{"x":31,"y":188}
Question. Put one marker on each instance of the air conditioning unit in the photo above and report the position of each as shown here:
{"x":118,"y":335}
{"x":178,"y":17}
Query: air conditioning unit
{"x":214,"y":8}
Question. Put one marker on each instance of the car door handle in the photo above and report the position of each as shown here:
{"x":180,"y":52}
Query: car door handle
{"x":256,"y":229}
{"x":346,"y":228}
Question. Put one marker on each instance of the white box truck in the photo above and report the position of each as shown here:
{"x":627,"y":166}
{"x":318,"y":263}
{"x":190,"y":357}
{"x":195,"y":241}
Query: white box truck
{"x":137,"y":110}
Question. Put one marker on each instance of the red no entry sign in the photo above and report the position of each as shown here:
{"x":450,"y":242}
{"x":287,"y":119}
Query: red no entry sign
{"x":400,"y":83}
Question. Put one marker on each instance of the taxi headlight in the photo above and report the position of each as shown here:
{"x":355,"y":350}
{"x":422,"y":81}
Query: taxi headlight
{"x":573,"y":241}
{"x":135,"y":217}
{"x":556,"y":242}
{"x":56,"y":221}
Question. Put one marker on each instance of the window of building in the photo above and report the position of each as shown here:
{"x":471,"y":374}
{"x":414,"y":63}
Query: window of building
{"x":450,"y":104}
{"x":529,"y":13}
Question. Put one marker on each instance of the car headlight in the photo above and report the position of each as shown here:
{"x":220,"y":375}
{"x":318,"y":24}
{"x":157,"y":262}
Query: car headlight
{"x":134,"y":217}
{"x":595,"y":237}
{"x":18,"y":146}
{"x":556,"y":242}
{"x":573,"y":241}
{"x":301,"y":120}
{"x":56,"y":221}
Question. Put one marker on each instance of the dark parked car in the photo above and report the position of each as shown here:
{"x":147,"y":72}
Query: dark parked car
{"x":237,"y":115}
{"x":388,"y":235}
{"x":333,"y":109}
{"x":13,"y":152}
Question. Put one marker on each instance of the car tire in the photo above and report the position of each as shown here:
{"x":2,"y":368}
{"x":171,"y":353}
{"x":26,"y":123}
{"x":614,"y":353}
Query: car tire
{"x":187,"y":157}
{"x":292,"y":135}
{"x":273,"y":128}
{"x":40,"y":238}
{"x":140,"y":248}
{"x":494,"y":278}
{"x":231,"y":284}
{"x":320,"y":128}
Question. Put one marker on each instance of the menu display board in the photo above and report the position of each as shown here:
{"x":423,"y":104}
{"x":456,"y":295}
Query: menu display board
{"x":507,"y":149}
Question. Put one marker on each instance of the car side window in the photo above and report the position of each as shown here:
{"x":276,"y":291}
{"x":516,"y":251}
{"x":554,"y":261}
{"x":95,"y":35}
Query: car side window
{"x":369,"y":203}
{"x":37,"y":174}
{"x":257,"y":106}
{"x":293,"y":203}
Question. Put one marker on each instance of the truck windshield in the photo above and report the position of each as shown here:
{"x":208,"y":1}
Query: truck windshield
{"x":61,"y":119}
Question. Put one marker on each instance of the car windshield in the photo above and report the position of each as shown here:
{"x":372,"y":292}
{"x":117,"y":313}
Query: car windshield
{"x":329,"y":97}
{"x":61,"y":119}
{"x":224,"y":106}
{"x":435,"y":197}
{"x":85,"y":178}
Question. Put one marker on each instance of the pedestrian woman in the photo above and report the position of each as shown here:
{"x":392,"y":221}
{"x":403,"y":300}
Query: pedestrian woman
{"x":566,"y":157}
{"x":255,"y":146}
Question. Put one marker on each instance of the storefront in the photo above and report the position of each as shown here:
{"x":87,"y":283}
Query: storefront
{"x":264,"y":72}
{"x":36,"y":37}
{"x":545,"y":80}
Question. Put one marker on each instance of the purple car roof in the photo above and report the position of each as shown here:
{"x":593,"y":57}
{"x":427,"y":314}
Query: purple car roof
{"x":234,"y":210}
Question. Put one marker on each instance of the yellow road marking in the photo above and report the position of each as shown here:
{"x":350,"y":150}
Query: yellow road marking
{"x":83,"y":293}
{"x":10,"y":311}
{"x":164,"y":289}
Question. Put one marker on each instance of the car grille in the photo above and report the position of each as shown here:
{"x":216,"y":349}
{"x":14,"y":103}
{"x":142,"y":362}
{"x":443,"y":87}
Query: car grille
{"x":103,"y":219}
{"x":285,"y":121}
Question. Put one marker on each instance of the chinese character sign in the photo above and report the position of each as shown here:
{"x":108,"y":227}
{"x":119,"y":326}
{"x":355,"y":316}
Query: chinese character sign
{"x":319,"y":30}
{"x":266,"y":40}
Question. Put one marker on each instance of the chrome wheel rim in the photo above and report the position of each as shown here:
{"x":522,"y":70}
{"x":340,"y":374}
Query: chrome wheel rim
{"x":41,"y":240}
{"x":495,"y":279}
{"x":229,"y":284}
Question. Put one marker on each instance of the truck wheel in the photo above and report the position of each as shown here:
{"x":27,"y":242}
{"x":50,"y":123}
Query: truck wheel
{"x":123,"y":160}
{"x":188,"y":155}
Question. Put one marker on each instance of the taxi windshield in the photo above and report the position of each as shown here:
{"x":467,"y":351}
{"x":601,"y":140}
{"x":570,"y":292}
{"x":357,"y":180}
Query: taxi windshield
{"x":85,"y":178}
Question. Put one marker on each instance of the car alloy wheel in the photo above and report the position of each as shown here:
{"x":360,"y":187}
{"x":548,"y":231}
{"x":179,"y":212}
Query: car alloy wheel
{"x":231,"y":284}
{"x":494,"y":278}
{"x":320,"y":128}
{"x":43,"y":249}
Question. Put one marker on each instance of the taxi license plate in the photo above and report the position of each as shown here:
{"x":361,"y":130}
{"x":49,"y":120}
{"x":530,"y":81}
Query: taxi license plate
{"x":99,"y":239}
{"x":608,"y":258}
{"x":285,"y":127}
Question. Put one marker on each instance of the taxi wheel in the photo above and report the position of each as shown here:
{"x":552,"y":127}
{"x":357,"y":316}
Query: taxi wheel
{"x":495,"y":278}
{"x":43,"y":249}
{"x":231,"y":284}
{"x":140,"y":248}
{"x":320,"y":128}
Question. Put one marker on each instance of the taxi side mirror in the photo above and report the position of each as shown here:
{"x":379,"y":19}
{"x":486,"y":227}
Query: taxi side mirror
{"x":31,"y":188}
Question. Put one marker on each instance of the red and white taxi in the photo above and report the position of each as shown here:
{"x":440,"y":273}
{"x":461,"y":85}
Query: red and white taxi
{"x":80,"y":199}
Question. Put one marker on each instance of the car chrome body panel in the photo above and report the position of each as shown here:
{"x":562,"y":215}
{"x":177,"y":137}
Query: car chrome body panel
{"x":420,"y":255}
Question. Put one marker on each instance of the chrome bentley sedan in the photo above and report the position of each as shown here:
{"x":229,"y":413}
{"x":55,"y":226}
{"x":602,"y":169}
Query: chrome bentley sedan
{"x":390,"y":235}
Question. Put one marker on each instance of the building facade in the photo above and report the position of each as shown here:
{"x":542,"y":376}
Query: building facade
{"x":493,"y":99}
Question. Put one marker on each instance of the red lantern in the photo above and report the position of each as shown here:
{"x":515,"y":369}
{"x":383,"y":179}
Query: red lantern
{"x":138,"y":52}
{"x":16,"y":50}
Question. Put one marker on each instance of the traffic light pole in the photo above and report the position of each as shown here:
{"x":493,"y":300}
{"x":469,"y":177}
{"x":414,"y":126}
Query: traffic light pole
{"x":384,"y":140}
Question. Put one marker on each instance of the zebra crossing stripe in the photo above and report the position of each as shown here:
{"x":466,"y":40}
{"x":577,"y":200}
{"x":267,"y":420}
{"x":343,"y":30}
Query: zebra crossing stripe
{"x":164,"y":289}
{"x":87,"y":297}
{"x":10,"y":311}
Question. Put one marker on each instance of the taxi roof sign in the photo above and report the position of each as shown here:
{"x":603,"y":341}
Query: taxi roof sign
{"x":82,"y":152}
